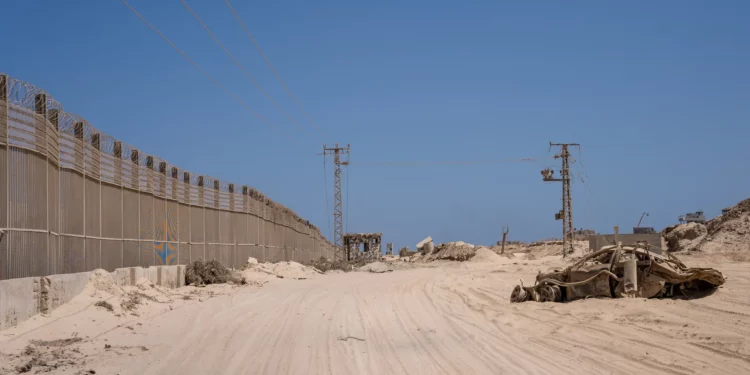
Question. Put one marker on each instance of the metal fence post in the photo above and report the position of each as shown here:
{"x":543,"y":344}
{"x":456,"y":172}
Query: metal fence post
{"x":80,"y":155}
{"x":202,"y":203}
{"x":40,"y":107}
{"x":97,"y":166}
{"x":119,"y":182}
{"x":4,"y":180}
{"x":189,"y":202}
{"x":135,"y":158}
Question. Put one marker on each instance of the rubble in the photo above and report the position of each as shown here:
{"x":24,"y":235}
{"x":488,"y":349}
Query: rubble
{"x":459,"y":251}
{"x":426,"y":246}
{"x":620,"y":272}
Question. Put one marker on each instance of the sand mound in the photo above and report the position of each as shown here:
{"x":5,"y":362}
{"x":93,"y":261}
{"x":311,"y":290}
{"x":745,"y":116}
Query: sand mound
{"x":484,"y":254}
{"x":375,"y":267}
{"x":729,"y":232}
{"x":541,"y":249}
{"x":684,"y":237}
{"x":286,"y":270}
{"x":103,"y":281}
{"x":460,"y":251}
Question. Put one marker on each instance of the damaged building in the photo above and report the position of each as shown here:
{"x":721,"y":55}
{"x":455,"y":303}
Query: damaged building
{"x":362,"y":245}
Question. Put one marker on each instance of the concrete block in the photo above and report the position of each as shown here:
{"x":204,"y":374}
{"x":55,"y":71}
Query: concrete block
{"x":60,"y":289}
{"x":122,"y":276}
{"x":428,"y":248}
{"x":171,"y":276}
{"x":424,"y":242}
{"x":18,"y":301}
{"x":152,"y":274}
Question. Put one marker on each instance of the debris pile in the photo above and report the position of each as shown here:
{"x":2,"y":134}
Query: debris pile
{"x":620,"y":272}
{"x":404,"y":252}
{"x":426,"y":246}
{"x":200,"y":272}
{"x":49,"y":355}
{"x":459,"y":251}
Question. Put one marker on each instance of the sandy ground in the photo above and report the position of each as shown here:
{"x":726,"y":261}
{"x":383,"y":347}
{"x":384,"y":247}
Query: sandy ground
{"x":451,"y":319}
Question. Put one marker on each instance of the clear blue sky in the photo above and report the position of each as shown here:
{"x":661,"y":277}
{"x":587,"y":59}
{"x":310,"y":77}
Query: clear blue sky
{"x":657,"y":92}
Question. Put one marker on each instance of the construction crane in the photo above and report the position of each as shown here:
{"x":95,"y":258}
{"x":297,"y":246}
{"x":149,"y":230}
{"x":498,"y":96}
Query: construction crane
{"x":638,"y":229}
{"x":641,"y":219}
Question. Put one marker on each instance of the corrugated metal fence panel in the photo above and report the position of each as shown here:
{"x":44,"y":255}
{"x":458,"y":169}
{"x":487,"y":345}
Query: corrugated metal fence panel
{"x":73,"y":199}
{"x":112,"y":226}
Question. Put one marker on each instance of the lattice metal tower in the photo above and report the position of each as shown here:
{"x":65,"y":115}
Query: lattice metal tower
{"x":566,"y":214}
{"x":338,"y":212}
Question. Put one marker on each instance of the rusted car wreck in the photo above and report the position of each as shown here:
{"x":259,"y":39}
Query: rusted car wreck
{"x":622,"y":271}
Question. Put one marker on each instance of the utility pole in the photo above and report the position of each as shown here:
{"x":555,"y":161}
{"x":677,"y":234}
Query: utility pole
{"x":338,"y":213}
{"x":506,"y":229}
{"x":566,"y":214}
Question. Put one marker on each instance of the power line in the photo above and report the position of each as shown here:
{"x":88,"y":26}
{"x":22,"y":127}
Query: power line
{"x":207,"y":74}
{"x":428,"y":163}
{"x":239,"y":65}
{"x":260,"y":51}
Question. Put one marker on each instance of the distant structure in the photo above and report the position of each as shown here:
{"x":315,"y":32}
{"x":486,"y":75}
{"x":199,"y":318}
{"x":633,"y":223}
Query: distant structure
{"x":644,"y":230}
{"x":370,"y":243}
{"x":693,"y":217}
{"x":582,"y":234}
{"x":389,"y":248}
{"x":725,"y":211}
{"x":638,"y":229}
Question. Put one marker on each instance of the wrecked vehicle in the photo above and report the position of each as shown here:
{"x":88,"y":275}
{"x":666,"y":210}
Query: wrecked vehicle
{"x":620,"y":271}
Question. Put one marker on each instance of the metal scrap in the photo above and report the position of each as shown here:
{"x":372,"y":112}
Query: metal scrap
{"x":619,"y":271}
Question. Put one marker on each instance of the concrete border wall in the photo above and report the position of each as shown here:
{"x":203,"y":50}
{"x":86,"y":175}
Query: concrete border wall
{"x":21,"y":299}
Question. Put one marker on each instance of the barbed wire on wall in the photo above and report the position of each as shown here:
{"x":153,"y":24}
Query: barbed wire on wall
{"x":76,"y":151}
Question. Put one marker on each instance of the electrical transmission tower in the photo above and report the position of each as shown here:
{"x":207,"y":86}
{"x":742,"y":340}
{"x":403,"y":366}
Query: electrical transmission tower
{"x":566,"y":214}
{"x":338,"y":213}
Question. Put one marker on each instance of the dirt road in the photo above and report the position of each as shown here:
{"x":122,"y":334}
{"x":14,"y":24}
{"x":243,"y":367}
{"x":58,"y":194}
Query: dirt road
{"x":445,"y":320}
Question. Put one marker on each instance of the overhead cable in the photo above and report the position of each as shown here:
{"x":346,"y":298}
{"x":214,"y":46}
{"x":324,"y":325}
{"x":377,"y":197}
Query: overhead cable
{"x":239,"y":65}
{"x":238,"y":100}
{"x":276,"y":73}
{"x":429,"y":163}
